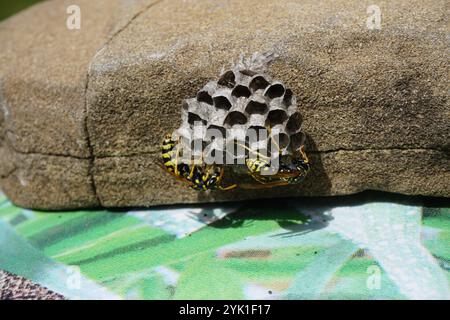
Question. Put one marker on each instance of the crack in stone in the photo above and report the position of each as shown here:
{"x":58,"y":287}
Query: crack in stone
{"x":153,"y":152}
{"x":50,"y":154}
{"x":71,"y":156}
{"x":86,"y":104}
{"x":375,"y":149}
{"x":91,"y":158}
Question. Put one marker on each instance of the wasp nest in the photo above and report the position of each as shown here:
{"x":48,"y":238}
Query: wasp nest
{"x":243,"y":99}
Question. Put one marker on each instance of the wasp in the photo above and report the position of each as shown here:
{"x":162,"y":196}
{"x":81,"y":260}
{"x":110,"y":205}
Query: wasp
{"x":291,"y":170}
{"x":206,"y":177}
{"x":210,"y":177}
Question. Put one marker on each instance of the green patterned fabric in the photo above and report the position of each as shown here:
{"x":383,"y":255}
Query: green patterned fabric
{"x":278,"y":249}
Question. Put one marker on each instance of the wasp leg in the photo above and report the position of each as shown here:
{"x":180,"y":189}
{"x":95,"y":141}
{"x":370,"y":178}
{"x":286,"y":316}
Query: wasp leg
{"x":231,"y":187}
{"x":222,"y":172}
{"x":303,"y":153}
{"x":191,"y":172}
{"x":265,"y":185}
{"x":258,"y":178}
{"x":219,"y":181}
{"x":287,"y":174}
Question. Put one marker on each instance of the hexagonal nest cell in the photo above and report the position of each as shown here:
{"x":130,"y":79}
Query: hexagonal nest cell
{"x":244,"y":98}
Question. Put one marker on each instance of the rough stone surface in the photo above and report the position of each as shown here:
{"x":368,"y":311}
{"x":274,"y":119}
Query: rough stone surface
{"x":84,"y":111}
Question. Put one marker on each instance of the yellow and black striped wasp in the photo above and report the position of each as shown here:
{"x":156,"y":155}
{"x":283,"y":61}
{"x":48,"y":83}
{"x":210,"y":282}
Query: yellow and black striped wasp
{"x":210,"y":177}
{"x":291,"y":170}
{"x":205,"y":177}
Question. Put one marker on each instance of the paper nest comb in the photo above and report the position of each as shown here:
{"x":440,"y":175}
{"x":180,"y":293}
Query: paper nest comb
{"x":243,"y":98}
